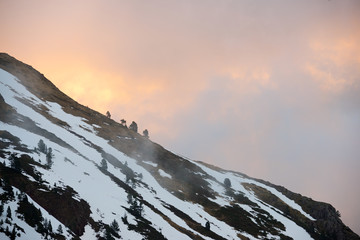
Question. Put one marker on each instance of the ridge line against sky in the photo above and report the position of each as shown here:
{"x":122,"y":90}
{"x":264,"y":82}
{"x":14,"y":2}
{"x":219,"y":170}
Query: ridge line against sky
{"x":269,"y":88}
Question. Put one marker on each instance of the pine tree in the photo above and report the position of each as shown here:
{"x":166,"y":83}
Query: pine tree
{"x":140,"y":209}
{"x":49,"y":156}
{"x":124,"y":219}
{"x":15,"y":162}
{"x":130,"y":199}
{"x":13,"y":234}
{"x":227,"y":183}
{"x":1,"y":209}
{"x":108,"y":115}
{"x":49,"y":227}
{"x":45,"y":227}
{"x":103,"y":164}
{"x":115,"y":226}
{"x":207,"y":225}
{"x":108,"y":234}
{"x":8,"y":213}
{"x":59,"y":229}
{"x":42,"y":146}
{"x":136,"y":207}
{"x":133,"y":126}
{"x":146,"y":133}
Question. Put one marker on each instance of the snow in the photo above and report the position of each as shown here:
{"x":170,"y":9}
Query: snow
{"x":166,"y":229}
{"x":292,"y":229}
{"x":3,"y":236}
{"x":89,"y":234}
{"x":29,"y":232}
{"x":164,"y":174}
{"x":288,"y":201}
{"x":124,"y":137}
{"x":151,"y":164}
{"x":94,"y":186}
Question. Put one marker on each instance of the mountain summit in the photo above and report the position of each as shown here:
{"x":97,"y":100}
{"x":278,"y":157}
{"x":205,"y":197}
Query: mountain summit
{"x":69,"y":172}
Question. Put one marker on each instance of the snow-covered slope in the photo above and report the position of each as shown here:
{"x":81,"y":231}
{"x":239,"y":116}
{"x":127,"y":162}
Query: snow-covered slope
{"x":93,"y":178}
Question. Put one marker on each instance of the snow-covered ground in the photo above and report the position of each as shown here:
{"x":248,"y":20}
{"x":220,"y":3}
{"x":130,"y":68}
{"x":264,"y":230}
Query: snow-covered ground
{"x":80,"y":170}
{"x":29,"y":232}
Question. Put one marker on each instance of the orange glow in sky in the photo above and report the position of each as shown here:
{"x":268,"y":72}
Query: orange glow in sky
{"x":270,"y":88}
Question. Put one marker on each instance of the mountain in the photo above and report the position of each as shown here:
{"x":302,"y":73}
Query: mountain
{"x":69,"y":172}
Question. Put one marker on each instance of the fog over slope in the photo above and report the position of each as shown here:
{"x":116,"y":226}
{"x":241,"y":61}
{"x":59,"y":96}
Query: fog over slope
{"x":69,"y":172}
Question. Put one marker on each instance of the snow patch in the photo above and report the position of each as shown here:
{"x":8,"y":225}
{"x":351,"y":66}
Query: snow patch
{"x":151,"y":163}
{"x":164,"y":174}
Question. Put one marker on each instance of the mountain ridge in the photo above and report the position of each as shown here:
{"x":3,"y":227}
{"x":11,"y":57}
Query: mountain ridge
{"x":139,"y":170}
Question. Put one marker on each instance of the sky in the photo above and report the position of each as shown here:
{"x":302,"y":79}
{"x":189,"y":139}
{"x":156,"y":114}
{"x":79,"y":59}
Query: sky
{"x":267,"y":88}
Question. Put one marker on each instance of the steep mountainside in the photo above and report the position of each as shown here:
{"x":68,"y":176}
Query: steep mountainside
{"x":69,"y":172}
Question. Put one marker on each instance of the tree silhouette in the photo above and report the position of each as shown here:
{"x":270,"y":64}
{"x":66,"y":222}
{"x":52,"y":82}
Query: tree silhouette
{"x":1,"y":209}
{"x":59,"y":229}
{"x":123,"y":122}
{"x":207,"y":225}
{"x":8,"y":212}
{"x":49,"y":226}
{"x":103,"y":164}
{"x":13,"y":234}
{"x":108,"y":234}
{"x":108,"y":115}
{"x":15,"y":162}
{"x":227,"y":183}
{"x":136,"y":206}
{"x":133,"y":126}
{"x":115,"y":226}
{"x":42,"y":146}
{"x":146,"y":133}
{"x":49,"y":156}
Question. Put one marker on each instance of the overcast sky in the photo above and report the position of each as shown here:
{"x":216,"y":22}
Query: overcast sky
{"x":267,"y":88}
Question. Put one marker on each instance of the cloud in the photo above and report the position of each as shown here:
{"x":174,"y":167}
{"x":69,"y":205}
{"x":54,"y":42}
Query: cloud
{"x":271,"y":90}
{"x":335,"y":62}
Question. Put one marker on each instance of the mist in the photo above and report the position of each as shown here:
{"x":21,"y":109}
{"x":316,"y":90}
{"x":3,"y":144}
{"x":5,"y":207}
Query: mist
{"x":268,"y":89}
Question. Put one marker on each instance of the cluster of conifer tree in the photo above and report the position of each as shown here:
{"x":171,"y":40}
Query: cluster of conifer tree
{"x":133,"y":126}
{"x":26,"y":211}
{"x":112,"y":231}
{"x":48,"y":151}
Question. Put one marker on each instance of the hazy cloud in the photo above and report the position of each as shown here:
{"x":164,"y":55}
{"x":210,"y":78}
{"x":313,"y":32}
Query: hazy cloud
{"x":270,"y":89}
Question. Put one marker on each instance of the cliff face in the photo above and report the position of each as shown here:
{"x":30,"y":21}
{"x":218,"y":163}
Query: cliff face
{"x":68,"y":171}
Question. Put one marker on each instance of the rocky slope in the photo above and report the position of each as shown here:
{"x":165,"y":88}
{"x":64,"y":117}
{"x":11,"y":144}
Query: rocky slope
{"x":69,"y":172}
